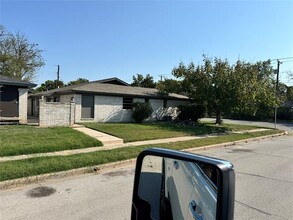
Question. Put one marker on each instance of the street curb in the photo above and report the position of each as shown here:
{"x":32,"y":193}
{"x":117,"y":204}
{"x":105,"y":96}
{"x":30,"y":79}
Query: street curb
{"x":100,"y":168}
{"x":191,"y":150}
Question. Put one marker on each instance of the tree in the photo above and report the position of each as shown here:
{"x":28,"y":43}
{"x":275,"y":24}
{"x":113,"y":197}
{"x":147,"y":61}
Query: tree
{"x":49,"y":85}
{"x":78,"y":81}
{"x":19,"y":58}
{"x":52,"y":84}
{"x":289,"y":93}
{"x":225,"y":88}
{"x":208,"y":85}
{"x":170,"y":86}
{"x":140,"y":81}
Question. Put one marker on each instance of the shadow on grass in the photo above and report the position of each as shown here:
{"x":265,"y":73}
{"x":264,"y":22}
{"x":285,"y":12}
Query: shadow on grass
{"x":197,"y":129}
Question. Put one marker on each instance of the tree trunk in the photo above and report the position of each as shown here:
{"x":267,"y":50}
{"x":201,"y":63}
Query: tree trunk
{"x":218,"y":118}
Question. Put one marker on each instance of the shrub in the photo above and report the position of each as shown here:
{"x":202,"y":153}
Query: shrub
{"x":141,"y":111}
{"x":191,"y":112}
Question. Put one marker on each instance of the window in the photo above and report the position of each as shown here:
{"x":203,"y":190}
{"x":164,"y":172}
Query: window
{"x":56,"y":99}
{"x":127,"y":103}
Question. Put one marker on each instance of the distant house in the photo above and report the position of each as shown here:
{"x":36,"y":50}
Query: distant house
{"x":108,"y":100}
{"x":13,"y":99}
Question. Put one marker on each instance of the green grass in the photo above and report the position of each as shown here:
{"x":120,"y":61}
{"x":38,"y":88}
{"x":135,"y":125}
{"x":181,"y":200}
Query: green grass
{"x":35,"y":166}
{"x":130,"y":132}
{"x":17,"y":140}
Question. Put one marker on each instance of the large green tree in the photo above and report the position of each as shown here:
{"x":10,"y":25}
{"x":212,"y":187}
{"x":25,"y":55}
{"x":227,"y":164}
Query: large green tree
{"x":143,"y":81}
{"x":209,"y":84}
{"x":19,"y":58}
{"x":225,"y":88}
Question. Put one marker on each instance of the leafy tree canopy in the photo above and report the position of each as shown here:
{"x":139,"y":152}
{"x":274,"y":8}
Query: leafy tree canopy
{"x":78,"y":81}
{"x":170,"y":86}
{"x":140,"y":81}
{"x":19,"y":58}
{"x":49,"y":85}
{"x":52,"y":84}
{"x":226,"y":88}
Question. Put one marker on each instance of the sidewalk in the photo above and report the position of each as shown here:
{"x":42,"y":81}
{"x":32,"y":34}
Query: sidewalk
{"x":109,"y":143}
{"x":106,"y":139}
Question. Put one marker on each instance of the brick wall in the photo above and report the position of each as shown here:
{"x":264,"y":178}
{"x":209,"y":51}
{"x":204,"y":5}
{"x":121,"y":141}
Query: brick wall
{"x":110,"y":109}
{"x":56,"y":114}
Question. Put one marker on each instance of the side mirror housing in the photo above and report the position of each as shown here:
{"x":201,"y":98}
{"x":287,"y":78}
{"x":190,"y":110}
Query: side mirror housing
{"x":177,"y":185}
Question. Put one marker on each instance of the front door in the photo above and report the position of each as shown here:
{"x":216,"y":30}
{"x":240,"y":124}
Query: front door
{"x":87,"y":106}
{"x":8,"y":101}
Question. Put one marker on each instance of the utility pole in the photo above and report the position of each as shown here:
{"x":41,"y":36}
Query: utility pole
{"x":277,"y":90}
{"x":58,"y":76}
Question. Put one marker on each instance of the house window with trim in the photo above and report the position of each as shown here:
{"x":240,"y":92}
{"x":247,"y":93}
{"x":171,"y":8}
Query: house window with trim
{"x":127,"y":103}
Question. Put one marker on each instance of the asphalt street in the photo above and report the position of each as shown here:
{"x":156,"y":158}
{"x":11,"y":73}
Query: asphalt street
{"x":264,"y":188}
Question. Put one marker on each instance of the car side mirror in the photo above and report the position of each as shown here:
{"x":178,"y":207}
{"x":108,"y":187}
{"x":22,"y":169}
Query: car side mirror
{"x":177,"y":185}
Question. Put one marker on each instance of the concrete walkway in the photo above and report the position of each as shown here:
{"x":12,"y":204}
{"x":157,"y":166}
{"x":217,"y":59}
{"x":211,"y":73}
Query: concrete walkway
{"x":106,"y":139}
{"x":109,"y":140}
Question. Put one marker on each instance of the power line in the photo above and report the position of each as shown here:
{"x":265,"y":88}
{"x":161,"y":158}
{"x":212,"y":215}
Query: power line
{"x":287,"y":61}
{"x":286,"y":58}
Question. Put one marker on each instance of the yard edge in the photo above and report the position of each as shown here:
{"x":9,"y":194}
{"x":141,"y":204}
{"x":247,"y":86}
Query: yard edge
{"x":8,"y":184}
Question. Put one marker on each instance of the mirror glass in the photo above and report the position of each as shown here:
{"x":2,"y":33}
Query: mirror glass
{"x":178,"y":189}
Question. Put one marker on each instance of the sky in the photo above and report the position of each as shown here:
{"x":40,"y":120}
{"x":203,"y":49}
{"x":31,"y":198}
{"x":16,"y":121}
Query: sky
{"x":103,"y":39}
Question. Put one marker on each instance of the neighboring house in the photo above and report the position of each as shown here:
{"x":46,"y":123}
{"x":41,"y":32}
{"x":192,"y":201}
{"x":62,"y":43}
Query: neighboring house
{"x":109,"y":100}
{"x":13,"y":99}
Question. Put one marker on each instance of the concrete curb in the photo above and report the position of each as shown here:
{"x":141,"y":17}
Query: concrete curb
{"x":101,"y":168}
{"x":191,"y":150}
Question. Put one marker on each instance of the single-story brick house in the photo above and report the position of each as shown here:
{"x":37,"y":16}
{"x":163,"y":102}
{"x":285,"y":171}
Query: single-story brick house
{"x":13,"y":99}
{"x":108,"y":100}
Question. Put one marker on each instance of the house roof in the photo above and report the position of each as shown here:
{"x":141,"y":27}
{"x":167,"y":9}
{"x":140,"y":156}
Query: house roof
{"x":5,"y":80}
{"x":113,"y":80}
{"x":102,"y":88}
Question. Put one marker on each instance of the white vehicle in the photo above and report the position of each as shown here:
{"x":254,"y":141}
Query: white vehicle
{"x":175,"y":185}
{"x":189,"y":190}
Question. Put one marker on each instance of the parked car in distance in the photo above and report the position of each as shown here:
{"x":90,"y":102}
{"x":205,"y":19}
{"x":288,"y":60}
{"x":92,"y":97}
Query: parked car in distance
{"x":176,"y":185}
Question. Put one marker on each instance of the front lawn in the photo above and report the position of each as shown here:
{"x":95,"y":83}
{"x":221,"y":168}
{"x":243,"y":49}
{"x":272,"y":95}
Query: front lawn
{"x":130,"y":132}
{"x":20,"y":139}
{"x":42,"y":165}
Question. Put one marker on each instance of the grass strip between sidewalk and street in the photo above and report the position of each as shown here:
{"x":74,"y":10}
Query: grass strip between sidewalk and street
{"x":23,"y":139}
{"x":42,"y":165}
